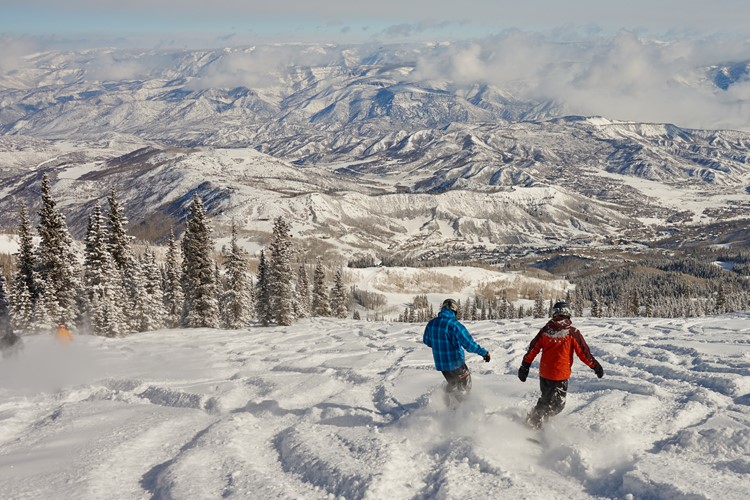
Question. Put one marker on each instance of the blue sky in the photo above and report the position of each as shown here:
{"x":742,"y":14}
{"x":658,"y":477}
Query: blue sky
{"x":223,"y":22}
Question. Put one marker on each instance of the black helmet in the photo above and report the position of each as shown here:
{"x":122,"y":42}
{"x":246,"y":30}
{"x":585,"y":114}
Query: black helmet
{"x":450,"y":304}
{"x":561,"y":308}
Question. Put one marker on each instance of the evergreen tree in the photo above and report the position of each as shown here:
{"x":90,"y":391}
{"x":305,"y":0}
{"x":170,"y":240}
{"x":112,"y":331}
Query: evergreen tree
{"x":46,"y":312}
{"x":635,"y":304}
{"x":125,"y":262}
{"x":596,"y":308}
{"x":578,"y":303}
{"x":539,"y":304}
{"x":5,"y":319}
{"x":23,"y":290}
{"x":303,"y":302}
{"x":173,"y":296}
{"x":263,"y":293}
{"x":281,"y":276}
{"x":320,"y":304}
{"x":466,"y":313}
{"x":721,"y":300}
{"x":104,"y":295}
{"x":22,"y":310}
{"x":25,"y":258}
{"x":236,"y":299}
{"x":154,"y":313}
{"x":56,"y":262}
{"x":200,"y":308}
{"x":649,"y":304}
{"x":339,"y":298}
{"x":119,"y":241}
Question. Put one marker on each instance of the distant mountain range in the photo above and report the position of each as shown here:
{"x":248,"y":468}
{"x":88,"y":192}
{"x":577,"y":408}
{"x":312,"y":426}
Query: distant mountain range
{"x":360,"y":156}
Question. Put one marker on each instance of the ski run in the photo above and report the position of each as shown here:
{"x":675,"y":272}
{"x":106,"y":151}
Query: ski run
{"x":329,"y":409}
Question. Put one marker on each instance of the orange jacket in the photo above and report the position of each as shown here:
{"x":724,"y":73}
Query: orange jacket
{"x":63,"y":334}
{"x":557,"y":340}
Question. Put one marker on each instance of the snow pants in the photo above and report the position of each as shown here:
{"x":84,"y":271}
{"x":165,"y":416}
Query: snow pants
{"x":459,"y":384}
{"x":550,"y":403}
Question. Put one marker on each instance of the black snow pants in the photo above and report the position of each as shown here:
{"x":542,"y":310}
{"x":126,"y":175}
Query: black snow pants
{"x":459,"y":383}
{"x":550,"y":403}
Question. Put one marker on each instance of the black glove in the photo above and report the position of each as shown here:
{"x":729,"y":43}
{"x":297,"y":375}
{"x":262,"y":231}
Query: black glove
{"x":598,"y":369}
{"x":523,"y":372}
{"x":486,"y":358}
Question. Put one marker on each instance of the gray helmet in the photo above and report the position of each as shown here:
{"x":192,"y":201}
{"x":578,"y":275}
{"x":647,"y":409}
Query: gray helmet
{"x":450,"y":304}
{"x":561,"y":309}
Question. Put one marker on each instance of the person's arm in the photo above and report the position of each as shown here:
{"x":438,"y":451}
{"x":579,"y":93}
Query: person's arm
{"x":467,"y":342}
{"x":583,"y":352}
{"x":534,"y":347}
{"x":426,"y":338}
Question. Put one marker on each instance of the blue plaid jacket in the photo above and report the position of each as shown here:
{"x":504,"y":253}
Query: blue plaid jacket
{"x":447,"y":337}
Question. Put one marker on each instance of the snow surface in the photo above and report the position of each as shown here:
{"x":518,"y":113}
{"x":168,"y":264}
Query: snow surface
{"x":353,"y":409}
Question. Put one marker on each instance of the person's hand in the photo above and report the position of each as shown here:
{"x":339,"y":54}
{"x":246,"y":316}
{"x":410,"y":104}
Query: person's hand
{"x":598,"y":370}
{"x":486,"y":358}
{"x":523,"y":372}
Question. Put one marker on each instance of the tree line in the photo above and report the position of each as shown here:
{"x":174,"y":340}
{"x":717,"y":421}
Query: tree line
{"x":111,"y":291}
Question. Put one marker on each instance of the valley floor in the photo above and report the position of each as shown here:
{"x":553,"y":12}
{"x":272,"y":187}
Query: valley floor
{"x":353,"y":409}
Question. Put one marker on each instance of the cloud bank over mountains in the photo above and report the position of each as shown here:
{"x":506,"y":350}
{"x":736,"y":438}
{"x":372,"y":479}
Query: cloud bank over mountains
{"x":623,"y":77}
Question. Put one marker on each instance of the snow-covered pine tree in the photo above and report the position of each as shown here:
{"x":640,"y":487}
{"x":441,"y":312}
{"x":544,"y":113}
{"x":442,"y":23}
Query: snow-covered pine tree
{"x":303,"y":293}
{"x":154,"y":313}
{"x":281,"y":276}
{"x":104,"y":295}
{"x":597,"y":307}
{"x":22,"y":311}
{"x":25,"y":258}
{"x":236,"y":302}
{"x":23,"y":290}
{"x":173,"y":296}
{"x":339,"y":297}
{"x":201,"y":308}
{"x":539,"y":310}
{"x":119,"y":240}
{"x":5,"y":319}
{"x":56,"y":261}
{"x":721,"y":300}
{"x":578,"y":303}
{"x":634,"y":308}
{"x":125,"y":262}
{"x":46,"y":311}
{"x":320,"y":304}
{"x":466,"y":310}
{"x":263,"y":310}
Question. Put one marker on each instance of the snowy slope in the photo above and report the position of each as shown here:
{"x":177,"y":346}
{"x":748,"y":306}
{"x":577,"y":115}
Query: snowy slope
{"x":338,"y":408}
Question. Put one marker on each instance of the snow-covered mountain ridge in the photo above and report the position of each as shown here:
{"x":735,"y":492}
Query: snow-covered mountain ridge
{"x":355,"y":147}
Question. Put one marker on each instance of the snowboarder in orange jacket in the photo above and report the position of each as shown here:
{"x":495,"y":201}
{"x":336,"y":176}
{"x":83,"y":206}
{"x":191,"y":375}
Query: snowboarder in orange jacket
{"x":63,"y":334}
{"x":557,"y":341}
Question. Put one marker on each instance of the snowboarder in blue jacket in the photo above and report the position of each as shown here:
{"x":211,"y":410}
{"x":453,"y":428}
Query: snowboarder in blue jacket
{"x":448,"y":338}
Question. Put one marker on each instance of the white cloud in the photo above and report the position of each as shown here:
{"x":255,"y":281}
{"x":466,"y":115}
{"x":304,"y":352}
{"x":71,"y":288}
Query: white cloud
{"x":623,"y":77}
{"x":14,"y":50}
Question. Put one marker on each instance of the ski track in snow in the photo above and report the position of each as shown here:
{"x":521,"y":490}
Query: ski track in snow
{"x":352,"y":409}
